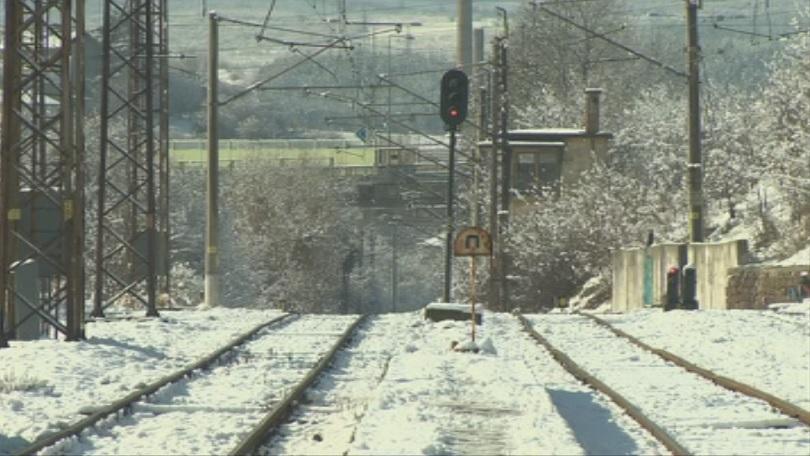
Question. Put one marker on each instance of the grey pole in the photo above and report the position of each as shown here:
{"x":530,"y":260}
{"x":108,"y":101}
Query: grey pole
{"x":151,"y":200}
{"x":478,"y":49}
{"x":494,"y":274}
{"x":164,"y":147}
{"x":506,"y":174}
{"x":480,"y":76}
{"x":695,"y":167}
{"x":394,"y":269}
{"x":212,"y":208}
{"x":448,"y":258}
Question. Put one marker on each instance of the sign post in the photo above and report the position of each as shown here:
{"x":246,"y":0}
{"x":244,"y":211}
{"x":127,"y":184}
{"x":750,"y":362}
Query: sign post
{"x":472,"y":295}
{"x":473,"y":242}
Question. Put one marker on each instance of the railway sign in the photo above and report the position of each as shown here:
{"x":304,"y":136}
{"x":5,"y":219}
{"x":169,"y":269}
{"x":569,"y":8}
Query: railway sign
{"x":362,"y":134}
{"x":472,"y":241}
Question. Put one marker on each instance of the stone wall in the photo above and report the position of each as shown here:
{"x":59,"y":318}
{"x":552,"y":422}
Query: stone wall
{"x":756,"y":286}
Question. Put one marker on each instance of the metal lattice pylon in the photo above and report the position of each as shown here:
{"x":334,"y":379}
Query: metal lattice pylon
{"x":41,"y":177}
{"x":127,"y":238}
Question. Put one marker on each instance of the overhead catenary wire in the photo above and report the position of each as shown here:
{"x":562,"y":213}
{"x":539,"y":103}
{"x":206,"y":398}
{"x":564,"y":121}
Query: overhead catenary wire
{"x":601,"y":36}
{"x":307,"y":58}
{"x":280,"y":29}
{"x":266,"y":20}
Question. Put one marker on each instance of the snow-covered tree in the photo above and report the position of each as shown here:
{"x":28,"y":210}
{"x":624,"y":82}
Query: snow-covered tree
{"x":783,"y":135}
{"x":294,"y":229}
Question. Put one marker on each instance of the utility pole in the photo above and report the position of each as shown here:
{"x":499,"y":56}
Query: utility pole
{"x":478,"y":48}
{"x":163,"y":149}
{"x":212,"y":208}
{"x":79,"y":56}
{"x":480,"y":79}
{"x":464,"y":37}
{"x":151,"y":200}
{"x":506,"y":170}
{"x":394,"y":267}
{"x":695,"y":166}
{"x":494,"y":269}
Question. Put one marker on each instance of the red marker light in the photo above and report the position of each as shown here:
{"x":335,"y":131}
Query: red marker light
{"x":453,"y":112}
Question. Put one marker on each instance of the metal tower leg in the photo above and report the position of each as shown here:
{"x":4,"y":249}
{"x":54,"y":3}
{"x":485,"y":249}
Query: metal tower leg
{"x":126,"y":246}
{"x":41,"y":177}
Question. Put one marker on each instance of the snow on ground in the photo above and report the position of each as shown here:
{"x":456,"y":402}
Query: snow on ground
{"x":767,"y":350}
{"x":704,"y":417}
{"x":400,"y":389}
{"x":52,"y":380}
{"x":408,"y":393}
{"x":210,"y":413}
{"x":802,"y":257}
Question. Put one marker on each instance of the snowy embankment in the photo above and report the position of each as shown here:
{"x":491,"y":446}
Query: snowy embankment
{"x":766,"y":350}
{"x":702,"y":416}
{"x":44,"y":383}
{"x":400,"y":389}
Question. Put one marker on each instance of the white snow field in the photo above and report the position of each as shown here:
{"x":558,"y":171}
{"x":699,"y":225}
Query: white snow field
{"x":767,"y":350}
{"x":51,"y":381}
{"x":209,"y":413}
{"x":398,"y":388}
{"x":702,"y":416}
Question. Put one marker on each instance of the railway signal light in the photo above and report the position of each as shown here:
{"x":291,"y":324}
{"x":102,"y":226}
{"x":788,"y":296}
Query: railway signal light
{"x":454,"y":94}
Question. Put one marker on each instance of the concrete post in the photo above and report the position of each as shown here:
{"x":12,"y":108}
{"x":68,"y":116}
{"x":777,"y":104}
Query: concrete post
{"x":212,"y":207}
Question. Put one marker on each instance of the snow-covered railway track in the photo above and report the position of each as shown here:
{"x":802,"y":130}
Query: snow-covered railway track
{"x":399,"y":388}
{"x":327,"y":418}
{"x":125,"y":404}
{"x":687,"y":412}
{"x":780,"y":404}
{"x":190,"y":412}
{"x":282,"y":409}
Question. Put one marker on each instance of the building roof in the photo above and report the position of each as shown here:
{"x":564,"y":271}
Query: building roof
{"x":555,"y":144}
{"x":551,"y":134}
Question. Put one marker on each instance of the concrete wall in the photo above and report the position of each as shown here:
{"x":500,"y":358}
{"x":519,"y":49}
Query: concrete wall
{"x":713,"y":262}
{"x":756,"y":286}
{"x":629,"y":271}
{"x":627,"y":288}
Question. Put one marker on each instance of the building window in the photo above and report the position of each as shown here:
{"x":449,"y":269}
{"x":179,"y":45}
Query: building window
{"x":538,"y":171}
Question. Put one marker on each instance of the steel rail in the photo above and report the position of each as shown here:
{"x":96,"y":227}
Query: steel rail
{"x":733,"y":385}
{"x":278,"y":415}
{"x":659,"y":433}
{"x":76,"y":429}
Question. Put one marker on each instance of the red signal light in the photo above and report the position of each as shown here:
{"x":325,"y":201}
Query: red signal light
{"x":454,"y":112}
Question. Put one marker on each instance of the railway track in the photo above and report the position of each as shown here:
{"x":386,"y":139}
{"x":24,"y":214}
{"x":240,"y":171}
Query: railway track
{"x":656,"y":393}
{"x":199,"y":405}
{"x":782,"y":405}
{"x":282,"y":410}
{"x":269,"y":392}
{"x":381,"y":388}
